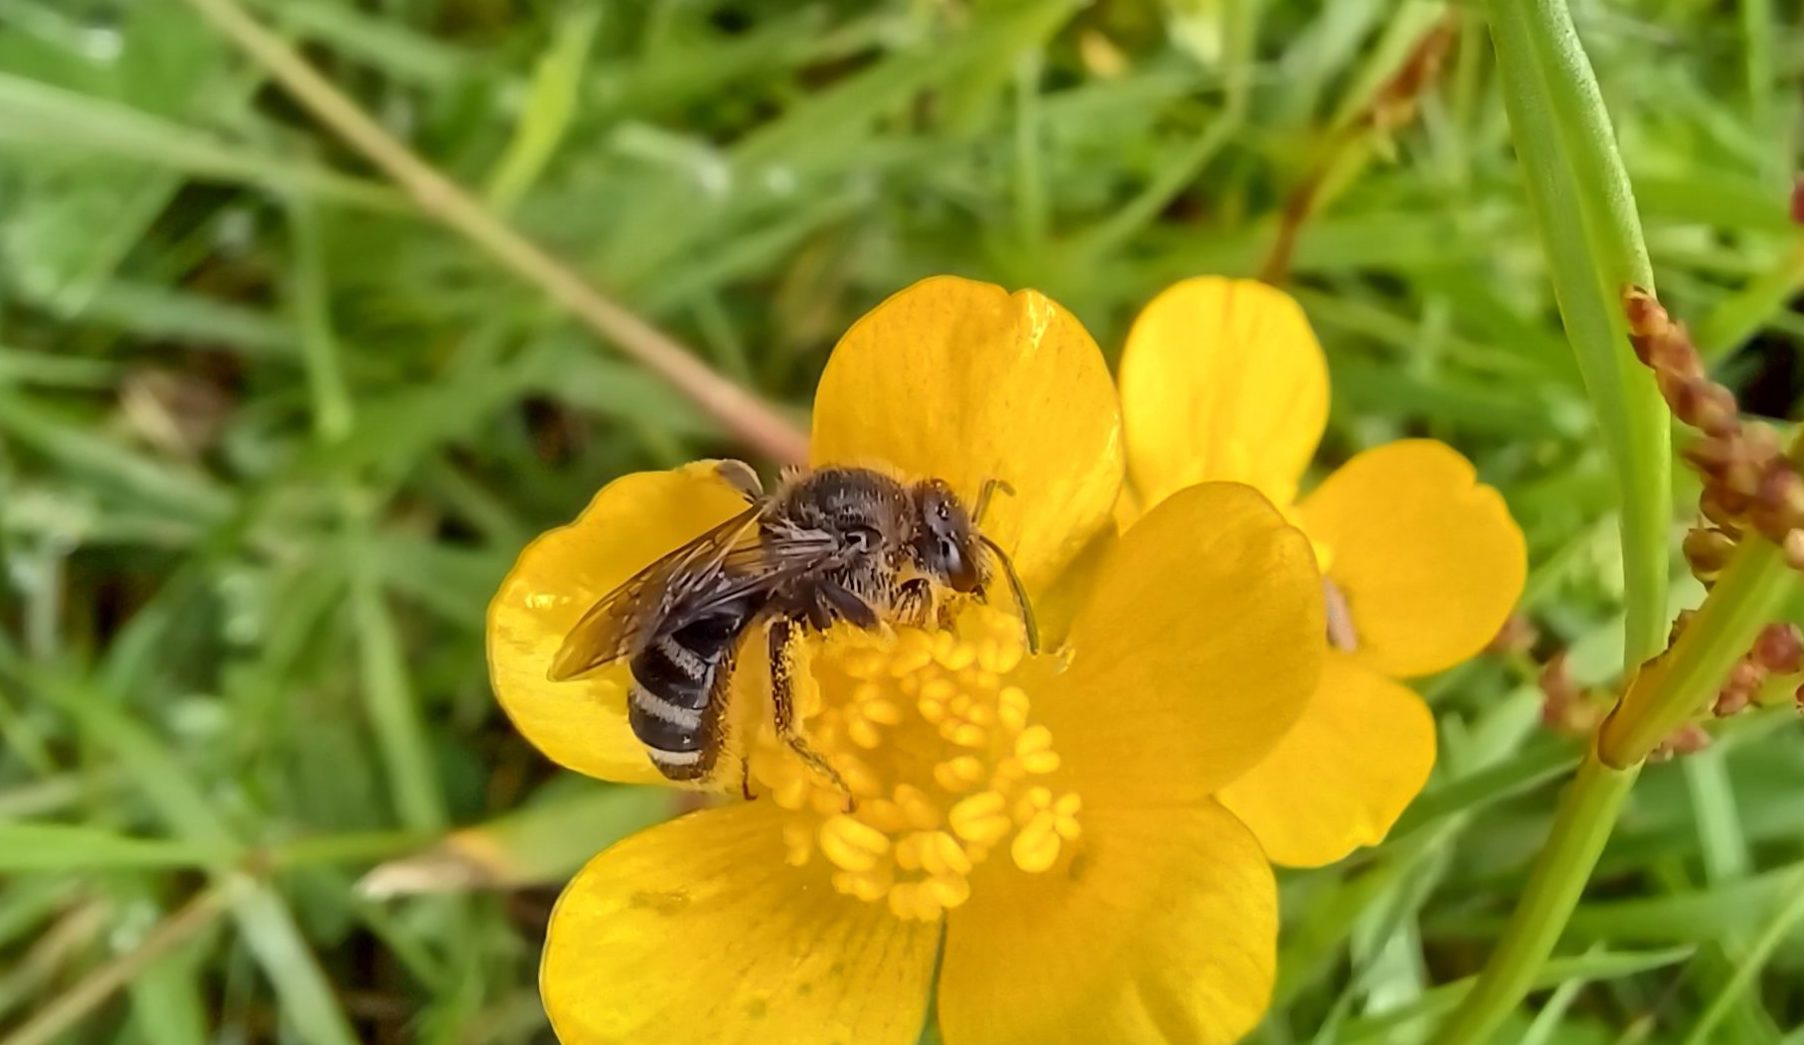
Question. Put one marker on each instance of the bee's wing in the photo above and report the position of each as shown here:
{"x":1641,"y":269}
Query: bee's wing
{"x":760,"y":568}
{"x":612,"y":627}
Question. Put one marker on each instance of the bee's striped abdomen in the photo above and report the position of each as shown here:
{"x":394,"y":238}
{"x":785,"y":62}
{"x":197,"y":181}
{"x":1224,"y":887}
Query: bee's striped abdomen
{"x":676,"y":698}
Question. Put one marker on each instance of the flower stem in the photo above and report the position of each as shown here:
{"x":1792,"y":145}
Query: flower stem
{"x":1677,"y":687}
{"x":1585,"y":213}
{"x":1663,"y":695}
{"x":738,"y":410}
{"x":1587,"y":812}
{"x":1584,"y":210}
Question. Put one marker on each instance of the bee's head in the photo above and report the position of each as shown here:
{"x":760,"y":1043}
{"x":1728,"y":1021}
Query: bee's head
{"x":946,"y":541}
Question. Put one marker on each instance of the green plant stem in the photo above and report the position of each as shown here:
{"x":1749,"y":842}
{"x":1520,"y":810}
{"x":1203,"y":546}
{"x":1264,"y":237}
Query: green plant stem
{"x":739,"y":411}
{"x":1582,"y":825}
{"x":1678,"y":687}
{"x":1664,"y":695}
{"x":1585,"y":213}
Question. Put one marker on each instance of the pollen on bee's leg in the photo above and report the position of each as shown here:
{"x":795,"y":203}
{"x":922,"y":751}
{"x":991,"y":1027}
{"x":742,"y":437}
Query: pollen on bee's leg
{"x":934,"y":734}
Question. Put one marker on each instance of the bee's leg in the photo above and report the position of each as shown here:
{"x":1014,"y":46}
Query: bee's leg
{"x":914,"y":602}
{"x":785,"y":643}
{"x":745,"y":780}
{"x":845,"y":605}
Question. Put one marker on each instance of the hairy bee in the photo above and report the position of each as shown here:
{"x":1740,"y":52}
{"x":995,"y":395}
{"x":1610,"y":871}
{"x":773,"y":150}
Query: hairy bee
{"x":838,"y":544}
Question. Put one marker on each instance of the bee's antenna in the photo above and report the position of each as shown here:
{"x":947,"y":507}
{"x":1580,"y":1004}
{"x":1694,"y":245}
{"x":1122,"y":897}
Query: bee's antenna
{"x":984,"y":492}
{"x":1015,"y":586}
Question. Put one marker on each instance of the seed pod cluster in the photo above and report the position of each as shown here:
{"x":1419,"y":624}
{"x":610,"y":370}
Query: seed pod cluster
{"x":1779,"y":650}
{"x":1566,"y":706}
{"x":1749,"y":483}
{"x":1683,"y":741}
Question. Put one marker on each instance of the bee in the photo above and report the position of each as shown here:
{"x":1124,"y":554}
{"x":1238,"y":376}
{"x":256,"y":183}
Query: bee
{"x":836,"y":544}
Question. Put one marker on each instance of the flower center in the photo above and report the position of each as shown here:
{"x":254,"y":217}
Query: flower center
{"x":934,"y":736}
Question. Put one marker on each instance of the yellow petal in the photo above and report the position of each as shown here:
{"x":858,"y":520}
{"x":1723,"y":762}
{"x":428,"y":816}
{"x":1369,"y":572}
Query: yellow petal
{"x":1199,"y":646}
{"x":1428,"y":558}
{"x":1164,"y":929}
{"x":581,"y":724}
{"x":961,"y":380}
{"x":696,"y":930}
{"x":1222,"y":379}
{"x":1056,"y":604}
{"x":1341,"y":777}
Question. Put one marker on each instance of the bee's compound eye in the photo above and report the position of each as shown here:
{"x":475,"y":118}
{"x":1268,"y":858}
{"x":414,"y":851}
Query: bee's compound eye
{"x":861,"y":538}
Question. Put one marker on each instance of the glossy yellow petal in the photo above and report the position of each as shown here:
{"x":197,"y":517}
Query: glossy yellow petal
{"x":961,"y":380}
{"x":1341,"y":777}
{"x":1164,"y":929}
{"x":697,"y":930}
{"x":1221,"y":379}
{"x":1128,"y":509}
{"x":1428,"y":558}
{"x":581,"y":724}
{"x":1199,"y":646}
{"x":1056,"y":604}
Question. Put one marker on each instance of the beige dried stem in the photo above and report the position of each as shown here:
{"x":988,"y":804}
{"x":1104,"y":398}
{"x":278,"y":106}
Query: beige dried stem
{"x":741,"y":412}
{"x":1392,"y":108}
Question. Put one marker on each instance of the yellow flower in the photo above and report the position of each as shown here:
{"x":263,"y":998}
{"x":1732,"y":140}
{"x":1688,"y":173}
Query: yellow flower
{"x":1223,"y":380}
{"x":1052,"y":814}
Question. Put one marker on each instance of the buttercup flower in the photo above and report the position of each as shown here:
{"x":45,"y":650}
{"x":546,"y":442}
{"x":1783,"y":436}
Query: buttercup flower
{"x":1045,"y":824}
{"x":1224,"y":380}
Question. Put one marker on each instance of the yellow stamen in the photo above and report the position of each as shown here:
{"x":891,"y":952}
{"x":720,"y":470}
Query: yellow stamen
{"x":933,"y":733}
{"x":852,"y":844}
{"x":1036,"y":846}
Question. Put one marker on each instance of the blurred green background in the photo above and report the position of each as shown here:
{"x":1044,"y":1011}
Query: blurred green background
{"x":269,"y":439}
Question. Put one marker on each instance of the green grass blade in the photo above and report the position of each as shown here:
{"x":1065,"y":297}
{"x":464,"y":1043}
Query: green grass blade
{"x":309,"y":1004}
{"x":1590,"y":967}
{"x":393,"y":708}
{"x":43,"y":119}
{"x":549,"y":108}
{"x":1584,"y":211}
{"x":77,"y":848}
{"x":1749,"y":967}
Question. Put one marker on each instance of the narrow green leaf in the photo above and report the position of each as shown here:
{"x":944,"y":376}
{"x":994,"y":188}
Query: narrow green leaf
{"x":1584,"y":211}
{"x":543,"y":843}
{"x":80,"y":848}
{"x":550,"y":104}
{"x":309,"y":1003}
{"x":44,"y":119}
{"x":1586,"y":968}
{"x":1749,"y":967}
{"x":393,"y":705}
